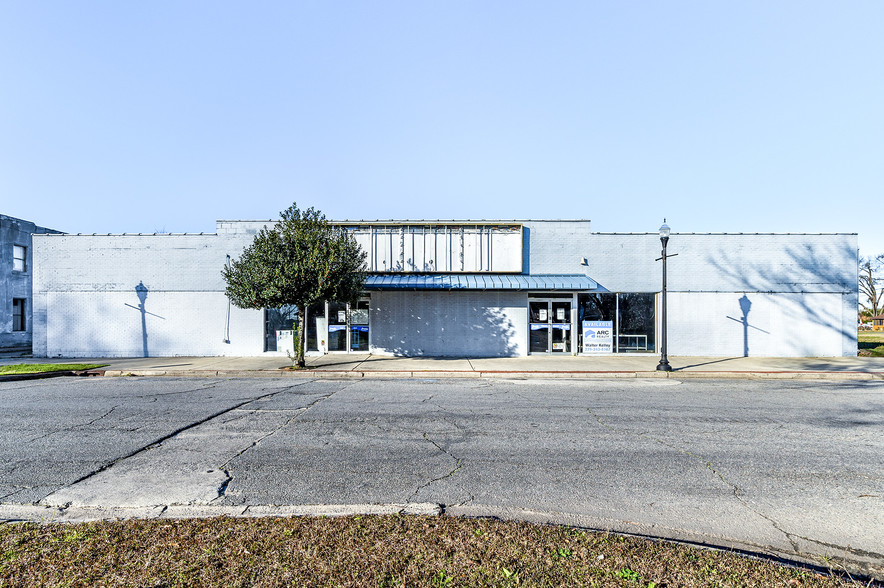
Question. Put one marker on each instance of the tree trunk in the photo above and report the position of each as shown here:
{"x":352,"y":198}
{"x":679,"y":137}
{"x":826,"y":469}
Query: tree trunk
{"x":299,"y":345}
{"x":868,"y":288}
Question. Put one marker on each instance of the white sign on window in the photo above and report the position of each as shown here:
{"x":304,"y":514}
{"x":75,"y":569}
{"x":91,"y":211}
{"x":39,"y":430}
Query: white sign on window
{"x":560,"y":314}
{"x":598,"y":337}
{"x":342,"y":316}
{"x":541,"y":315}
{"x":359,"y":317}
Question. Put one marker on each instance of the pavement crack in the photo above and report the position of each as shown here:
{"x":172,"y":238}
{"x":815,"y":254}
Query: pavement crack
{"x":471,"y":498}
{"x":288,"y":421}
{"x":222,"y":490}
{"x":159,"y":441}
{"x":526,"y":398}
{"x":207,"y":386}
{"x":458,"y":463}
{"x":95,"y":420}
{"x":735,"y":489}
{"x":74,"y":427}
{"x":847,"y":549}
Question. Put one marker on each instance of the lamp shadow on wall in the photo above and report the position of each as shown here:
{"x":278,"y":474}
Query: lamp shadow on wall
{"x":141,"y":290}
{"x":806,"y":261}
{"x":745,"y":307}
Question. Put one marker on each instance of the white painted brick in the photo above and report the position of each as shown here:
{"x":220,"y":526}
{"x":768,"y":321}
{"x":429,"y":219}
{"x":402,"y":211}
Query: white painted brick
{"x":802,"y":287}
{"x":557,"y":247}
{"x":460,"y":323}
{"x":777,"y":325}
{"x":108,"y":324}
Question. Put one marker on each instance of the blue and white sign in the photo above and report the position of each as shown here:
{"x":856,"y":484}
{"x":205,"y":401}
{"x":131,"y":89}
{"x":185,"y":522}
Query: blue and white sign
{"x":598,"y":337}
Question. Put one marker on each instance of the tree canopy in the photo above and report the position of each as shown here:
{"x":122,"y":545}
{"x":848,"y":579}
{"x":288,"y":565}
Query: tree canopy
{"x":301,"y":260}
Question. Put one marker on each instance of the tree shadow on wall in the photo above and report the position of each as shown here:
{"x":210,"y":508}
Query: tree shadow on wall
{"x":806,"y":272}
{"x":490,"y":328}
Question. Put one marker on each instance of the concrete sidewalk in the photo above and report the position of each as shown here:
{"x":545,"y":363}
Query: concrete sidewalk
{"x":364,"y":365}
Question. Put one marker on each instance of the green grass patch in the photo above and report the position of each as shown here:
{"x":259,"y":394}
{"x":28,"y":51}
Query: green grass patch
{"x":871,"y":343}
{"x":40,"y":368}
{"x":871,"y":350}
{"x":366,"y":551}
{"x":871,"y":337}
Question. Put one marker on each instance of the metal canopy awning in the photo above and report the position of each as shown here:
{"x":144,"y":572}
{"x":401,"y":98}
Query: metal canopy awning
{"x":570,"y":282}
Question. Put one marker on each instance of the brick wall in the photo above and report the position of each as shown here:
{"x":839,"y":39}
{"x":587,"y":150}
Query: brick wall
{"x":489,"y":324}
{"x":726,"y":263}
{"x":88,"y":305}
{"x":556,"y":247}
{"x":737,"y":324}
{"x":802,"y":290}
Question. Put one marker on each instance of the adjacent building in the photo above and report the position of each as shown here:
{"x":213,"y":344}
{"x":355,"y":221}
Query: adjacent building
{"x":459,"y":288}
{"x":16,"y":272}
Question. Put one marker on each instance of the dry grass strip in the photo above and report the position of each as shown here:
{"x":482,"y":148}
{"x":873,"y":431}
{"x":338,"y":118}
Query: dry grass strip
{"x":377,"y":551}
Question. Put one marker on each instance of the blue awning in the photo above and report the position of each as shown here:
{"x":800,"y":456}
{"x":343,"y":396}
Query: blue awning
{"x":569,"y":282}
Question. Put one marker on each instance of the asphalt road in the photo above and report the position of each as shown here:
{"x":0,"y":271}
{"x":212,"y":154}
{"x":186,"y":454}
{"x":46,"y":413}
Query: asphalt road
{"x":789,"y":468}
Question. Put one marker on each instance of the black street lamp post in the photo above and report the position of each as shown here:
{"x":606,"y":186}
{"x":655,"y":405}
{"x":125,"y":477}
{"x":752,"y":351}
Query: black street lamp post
{"x":664,"y":366}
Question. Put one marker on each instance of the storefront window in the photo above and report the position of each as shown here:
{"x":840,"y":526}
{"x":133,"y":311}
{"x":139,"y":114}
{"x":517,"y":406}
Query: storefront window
{"x":279,"y":319}
{"x":597,"y":307}
{"x":635,"y":330}
{"x":631,"y":316}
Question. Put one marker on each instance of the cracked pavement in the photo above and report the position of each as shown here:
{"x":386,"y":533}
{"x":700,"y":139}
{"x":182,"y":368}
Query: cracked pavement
{"x":794,"y":469}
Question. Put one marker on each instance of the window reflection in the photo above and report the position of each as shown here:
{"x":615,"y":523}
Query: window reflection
{"x":635,"y":331}
{"x":631,"y":314}
{"x":278,"y":319}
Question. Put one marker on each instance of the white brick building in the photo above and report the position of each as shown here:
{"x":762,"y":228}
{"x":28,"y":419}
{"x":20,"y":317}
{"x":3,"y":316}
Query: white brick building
{"x":490,"y":288}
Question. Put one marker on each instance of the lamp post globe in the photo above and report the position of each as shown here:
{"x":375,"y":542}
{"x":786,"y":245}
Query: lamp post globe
{"x":663,"y":366}
{"x":664,"y":233}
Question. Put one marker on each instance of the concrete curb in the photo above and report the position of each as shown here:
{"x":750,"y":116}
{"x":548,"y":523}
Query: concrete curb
{"x":37,"y":376}
{"x":433,"y":374}
{"x":80,"y":514}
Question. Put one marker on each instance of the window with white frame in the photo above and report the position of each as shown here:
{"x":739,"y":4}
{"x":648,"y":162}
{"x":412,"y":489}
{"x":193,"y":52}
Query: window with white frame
{"x":19,"y":258}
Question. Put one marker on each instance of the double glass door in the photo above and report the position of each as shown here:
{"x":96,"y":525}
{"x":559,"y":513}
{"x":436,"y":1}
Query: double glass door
{"x":348,"y":326}
{"x":549,"y":324}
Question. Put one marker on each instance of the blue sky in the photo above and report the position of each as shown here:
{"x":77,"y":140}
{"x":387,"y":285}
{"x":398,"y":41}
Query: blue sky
{"x":722,"y":117}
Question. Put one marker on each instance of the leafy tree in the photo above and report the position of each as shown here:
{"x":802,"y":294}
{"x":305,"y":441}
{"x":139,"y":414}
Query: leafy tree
{"x":301,"y":260}
{"x":871,"y":283}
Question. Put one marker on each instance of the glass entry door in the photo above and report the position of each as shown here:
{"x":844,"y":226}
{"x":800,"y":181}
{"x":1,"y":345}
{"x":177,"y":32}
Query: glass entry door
{"x":348,"y":326}
{"x":337,"y":326}
{"x":359,"y":327}
{"x":549,"y":324}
